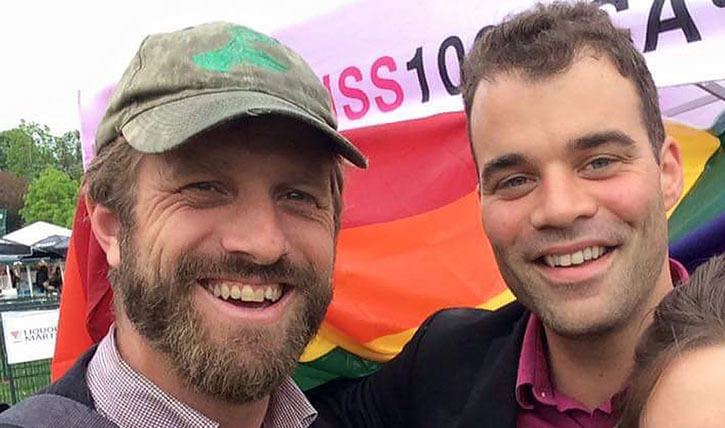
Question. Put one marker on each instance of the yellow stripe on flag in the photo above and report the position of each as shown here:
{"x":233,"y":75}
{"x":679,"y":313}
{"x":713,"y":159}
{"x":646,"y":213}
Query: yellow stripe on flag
{"x":696,"y":147}
{"x":383,"y":348}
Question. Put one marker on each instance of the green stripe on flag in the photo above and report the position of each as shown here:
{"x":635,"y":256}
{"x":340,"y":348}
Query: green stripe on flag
{"x":705,"y":200}
{"x":334,"y":364}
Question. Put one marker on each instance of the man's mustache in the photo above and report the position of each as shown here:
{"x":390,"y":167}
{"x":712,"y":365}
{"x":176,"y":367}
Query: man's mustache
{"x":606,"y":232}
{"x":192,"y":267}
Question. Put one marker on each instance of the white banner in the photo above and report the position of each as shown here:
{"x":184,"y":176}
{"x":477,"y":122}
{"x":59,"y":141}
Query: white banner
{"x":30,"y":335}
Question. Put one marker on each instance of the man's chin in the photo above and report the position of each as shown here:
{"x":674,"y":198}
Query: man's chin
{"x":578,"y":321}
{"x":238,"y":366}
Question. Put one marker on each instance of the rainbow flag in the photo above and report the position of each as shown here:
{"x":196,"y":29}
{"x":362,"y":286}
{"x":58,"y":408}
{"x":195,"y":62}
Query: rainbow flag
{"x":411,"y":241}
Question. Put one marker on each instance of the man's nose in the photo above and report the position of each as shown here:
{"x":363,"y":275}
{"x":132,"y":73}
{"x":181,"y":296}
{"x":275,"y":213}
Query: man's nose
{"x":254,"y":229}
{"x":563,"y":199}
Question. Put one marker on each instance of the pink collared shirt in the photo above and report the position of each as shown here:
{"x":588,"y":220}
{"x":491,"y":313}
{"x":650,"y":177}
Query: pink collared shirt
{"x":539,"y":404}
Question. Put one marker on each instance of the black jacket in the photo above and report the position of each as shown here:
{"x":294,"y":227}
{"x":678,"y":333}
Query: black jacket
{"x":459,"y":370}
{"x":73,"y":383}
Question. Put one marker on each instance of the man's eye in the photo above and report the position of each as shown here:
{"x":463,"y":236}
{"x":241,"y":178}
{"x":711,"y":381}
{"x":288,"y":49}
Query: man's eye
{"x":298,"y":196}
{"x":204,"y":186}
{"x":515,"y":187}
{"x":514,"y":182}
{"x":599,"y":163}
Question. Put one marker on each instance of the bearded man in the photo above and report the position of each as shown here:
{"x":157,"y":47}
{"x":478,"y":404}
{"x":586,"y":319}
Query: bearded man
{"x":216,"y":196}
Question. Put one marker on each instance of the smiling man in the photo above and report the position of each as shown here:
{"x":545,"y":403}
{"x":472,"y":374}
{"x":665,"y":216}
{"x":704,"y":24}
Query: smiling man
{"x":216,"y":196}
{"x":576,"y":175}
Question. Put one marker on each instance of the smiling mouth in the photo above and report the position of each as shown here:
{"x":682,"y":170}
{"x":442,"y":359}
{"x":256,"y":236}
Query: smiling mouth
{"x":245,"y":295}
{"x":576,"y":258}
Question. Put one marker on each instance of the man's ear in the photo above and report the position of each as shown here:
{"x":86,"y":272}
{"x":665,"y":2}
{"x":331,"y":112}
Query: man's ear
{"x":671,"y":181}
{"x":106,"y":228}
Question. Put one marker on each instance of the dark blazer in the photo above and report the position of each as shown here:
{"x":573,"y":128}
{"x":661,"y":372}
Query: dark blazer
{"x":459,"y":370}
{"x":73,"y":384}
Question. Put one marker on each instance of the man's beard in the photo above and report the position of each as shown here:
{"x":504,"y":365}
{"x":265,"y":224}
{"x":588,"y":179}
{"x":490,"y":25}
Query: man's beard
{"x":629,"y":288}
{"x":250,"y":361}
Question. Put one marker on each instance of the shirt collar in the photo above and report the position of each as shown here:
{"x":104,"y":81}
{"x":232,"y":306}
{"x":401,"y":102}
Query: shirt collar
{"x":678,"y":272}
{"x":128,"y":398}
{"x":532,"y":362}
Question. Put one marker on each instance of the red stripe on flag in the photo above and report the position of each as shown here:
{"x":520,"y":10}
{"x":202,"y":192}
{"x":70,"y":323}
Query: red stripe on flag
{"x":415,"y":166}
{"x":73,"y":338}
{"x":85,"y":313}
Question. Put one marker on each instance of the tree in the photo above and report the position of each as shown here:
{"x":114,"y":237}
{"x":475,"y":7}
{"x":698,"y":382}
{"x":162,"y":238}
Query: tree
{"x":66,"y":151}
{"x":51,"y":197}
{"x":29,"y":149}
{"x":12,"y":190}
{"x":24,"y":157}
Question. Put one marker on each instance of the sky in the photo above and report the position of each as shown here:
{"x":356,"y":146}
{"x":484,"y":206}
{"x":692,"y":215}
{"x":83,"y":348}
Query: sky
{"x":52,"y":49}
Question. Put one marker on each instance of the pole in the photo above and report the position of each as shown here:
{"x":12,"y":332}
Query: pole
{"x":30,"y":281}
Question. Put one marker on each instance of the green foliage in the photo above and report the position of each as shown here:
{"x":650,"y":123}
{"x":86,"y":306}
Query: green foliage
{"x":66,"y":152}
{"x":29,"y":149}
{"x":51,"y":197}
{"x":53,"y":165}
{"x":12,"y":189}
{"x":23,"y":156}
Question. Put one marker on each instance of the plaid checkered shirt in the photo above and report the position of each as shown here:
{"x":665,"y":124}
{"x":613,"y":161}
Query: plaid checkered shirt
{"x":129,"y":399}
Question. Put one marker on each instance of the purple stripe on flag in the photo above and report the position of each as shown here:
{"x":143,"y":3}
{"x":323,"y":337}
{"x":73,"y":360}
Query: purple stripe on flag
{"x":92,"y":107}
{"x":700,"y":244}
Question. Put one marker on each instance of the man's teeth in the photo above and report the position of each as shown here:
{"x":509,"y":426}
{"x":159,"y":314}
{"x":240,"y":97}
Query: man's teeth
{"x":247,"y":293}
{"x":577,"y":258}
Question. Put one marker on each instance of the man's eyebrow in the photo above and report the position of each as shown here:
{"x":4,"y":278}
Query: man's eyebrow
{"x":500,"y":163}
{"x":597,"y":139}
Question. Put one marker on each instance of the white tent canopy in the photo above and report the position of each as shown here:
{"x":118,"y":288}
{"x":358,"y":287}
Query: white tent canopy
{"x":35,"y":232}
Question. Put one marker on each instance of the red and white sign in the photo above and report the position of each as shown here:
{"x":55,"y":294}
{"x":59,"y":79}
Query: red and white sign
{"x":30,"y":335}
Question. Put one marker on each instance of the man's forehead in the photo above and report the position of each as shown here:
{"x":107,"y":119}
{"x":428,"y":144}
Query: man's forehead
{"x":584,"y":58}
{"x":226,"y":151}
{"x":587,"y":86}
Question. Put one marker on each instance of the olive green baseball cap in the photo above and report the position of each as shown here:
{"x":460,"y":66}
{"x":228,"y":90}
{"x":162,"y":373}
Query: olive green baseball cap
{"x":181,"y":84}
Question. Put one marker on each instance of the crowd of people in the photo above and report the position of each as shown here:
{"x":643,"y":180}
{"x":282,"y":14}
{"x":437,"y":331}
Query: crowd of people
{"x":48,"y":280}
{"x":45,"y":279}
{"x":216,"y":195}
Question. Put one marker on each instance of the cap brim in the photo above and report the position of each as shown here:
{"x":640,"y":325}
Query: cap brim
{"x":169,"y":125}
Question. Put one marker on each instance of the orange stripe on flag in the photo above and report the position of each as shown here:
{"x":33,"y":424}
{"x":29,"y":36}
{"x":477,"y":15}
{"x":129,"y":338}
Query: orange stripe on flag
{"x":391,"y":276}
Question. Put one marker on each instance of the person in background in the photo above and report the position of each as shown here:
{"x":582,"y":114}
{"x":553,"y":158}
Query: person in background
{"x":41,"y":278}
{"x":5,"y":280}
{"x":56,"y":279}
{"x":679,"y":375}
{"x":14,"y":278}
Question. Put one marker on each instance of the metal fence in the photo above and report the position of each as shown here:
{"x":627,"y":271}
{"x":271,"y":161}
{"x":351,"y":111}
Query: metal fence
{"x":18,"y":381}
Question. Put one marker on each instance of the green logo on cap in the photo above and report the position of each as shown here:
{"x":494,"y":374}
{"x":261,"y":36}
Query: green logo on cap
{"x":240,"y":49}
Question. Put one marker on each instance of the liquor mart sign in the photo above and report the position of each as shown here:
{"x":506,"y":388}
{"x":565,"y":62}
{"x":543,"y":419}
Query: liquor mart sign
{"x":29,"y":335}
